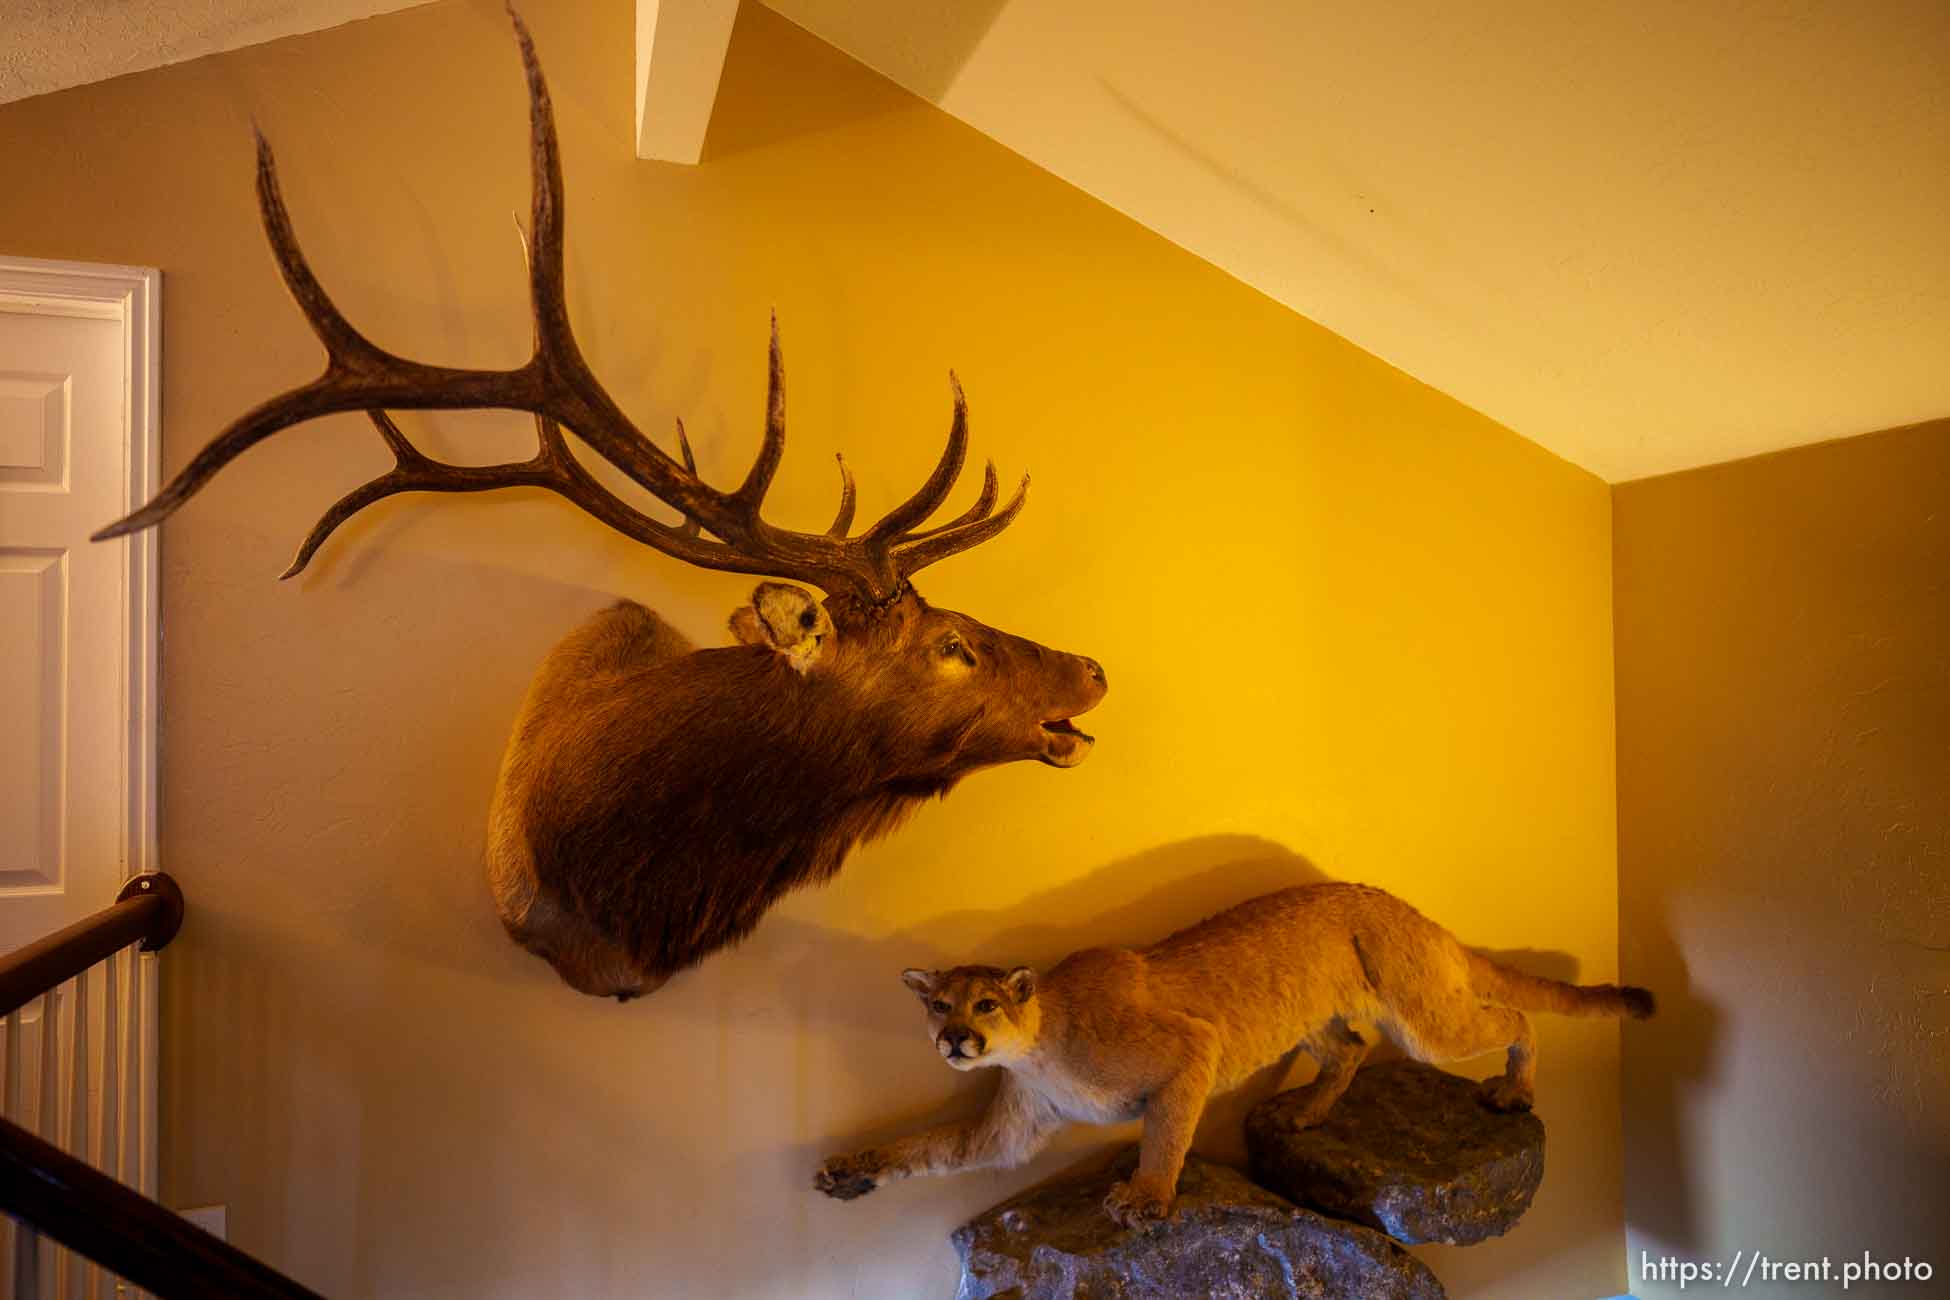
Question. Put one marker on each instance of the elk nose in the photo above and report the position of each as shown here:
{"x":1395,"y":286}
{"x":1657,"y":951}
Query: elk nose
{"x":1095,"y":669}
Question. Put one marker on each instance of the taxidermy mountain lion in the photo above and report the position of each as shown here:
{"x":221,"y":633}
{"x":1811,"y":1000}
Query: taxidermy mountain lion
{"x":1111,"y":1034}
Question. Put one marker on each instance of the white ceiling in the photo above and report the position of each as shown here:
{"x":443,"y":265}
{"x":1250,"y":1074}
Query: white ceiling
{"x":1647,"y":235}
{"x":53,"y":44}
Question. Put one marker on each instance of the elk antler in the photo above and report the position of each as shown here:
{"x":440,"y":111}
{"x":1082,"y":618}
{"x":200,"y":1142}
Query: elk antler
{"x":558,"y":389}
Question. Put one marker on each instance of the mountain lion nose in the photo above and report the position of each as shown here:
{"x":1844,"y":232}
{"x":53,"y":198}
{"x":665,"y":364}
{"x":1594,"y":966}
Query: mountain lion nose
{"x":958,"y":1037}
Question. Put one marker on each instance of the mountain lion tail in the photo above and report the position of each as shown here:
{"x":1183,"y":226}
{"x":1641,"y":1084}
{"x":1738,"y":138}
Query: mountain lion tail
{"x":1521,"y":992}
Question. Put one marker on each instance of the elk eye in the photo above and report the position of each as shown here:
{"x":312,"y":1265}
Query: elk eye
{"x":985,"y":1007}
{"x":950,"y":647}
{"x":941,"y":1008}
{"x":807,"y":619}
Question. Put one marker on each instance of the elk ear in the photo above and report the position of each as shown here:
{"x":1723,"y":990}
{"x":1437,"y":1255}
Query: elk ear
{"x":787,"y":619}
{"x":745,"y":627}
{"x":921,"y":981}
{"x":1021,"y":983}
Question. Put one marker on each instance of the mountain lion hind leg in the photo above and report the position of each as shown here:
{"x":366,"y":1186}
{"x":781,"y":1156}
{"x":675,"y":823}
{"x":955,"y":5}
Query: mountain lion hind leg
{"x":1445,"y":1018}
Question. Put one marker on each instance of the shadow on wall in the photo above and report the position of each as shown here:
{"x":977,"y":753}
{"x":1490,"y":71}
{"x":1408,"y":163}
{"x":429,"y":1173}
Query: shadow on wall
{"x":815,"y":976}
{"x":1662,"y":1160}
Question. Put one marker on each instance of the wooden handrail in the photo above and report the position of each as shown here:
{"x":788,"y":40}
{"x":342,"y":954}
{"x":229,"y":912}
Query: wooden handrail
{"x":78,"y":1205}
{"x":123,"y":1231}
{"x":149,"y":911}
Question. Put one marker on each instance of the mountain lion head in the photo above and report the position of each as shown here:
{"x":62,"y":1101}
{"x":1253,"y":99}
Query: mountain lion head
{"x":978,"y":1015}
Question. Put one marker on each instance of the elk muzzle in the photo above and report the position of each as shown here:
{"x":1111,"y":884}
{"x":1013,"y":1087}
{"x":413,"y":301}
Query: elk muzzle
{"x":1064,"y":745}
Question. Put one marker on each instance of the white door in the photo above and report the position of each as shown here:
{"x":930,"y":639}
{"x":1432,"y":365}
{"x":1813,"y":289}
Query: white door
{"x":76,"y":624}
{"x":78,"y":651}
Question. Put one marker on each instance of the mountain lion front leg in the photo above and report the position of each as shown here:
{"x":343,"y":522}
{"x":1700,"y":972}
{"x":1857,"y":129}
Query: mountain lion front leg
{"x":1015,"y":1127}
{"x":1171,"y":1114}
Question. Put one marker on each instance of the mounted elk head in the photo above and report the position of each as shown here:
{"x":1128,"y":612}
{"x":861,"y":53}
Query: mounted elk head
{"x":656,"y":799}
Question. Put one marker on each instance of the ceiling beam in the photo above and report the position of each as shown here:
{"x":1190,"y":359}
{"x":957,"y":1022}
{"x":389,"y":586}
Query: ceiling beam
{"x":680,"y":47}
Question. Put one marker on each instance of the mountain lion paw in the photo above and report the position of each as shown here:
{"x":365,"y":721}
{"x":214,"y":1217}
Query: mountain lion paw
{"x":1504,"y":1095}
{"x":1133,"y":1205}
{"x":846,"y":1178}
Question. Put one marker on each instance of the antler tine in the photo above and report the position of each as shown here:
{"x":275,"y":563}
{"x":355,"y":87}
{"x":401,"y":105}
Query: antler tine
{"x":691,"y":524}
{"x":917,"y":553}
{"x":984,"y":503}
{"x":844,"y":519}
{"x":928,"y":498}
{"x":404,"y":452}
{"x":733,"y":518}
{"x":343,"y":343}
{"x":759,"y":479}
{"x":346,"y":350}
{"x":547,"y":430}
{"x":552,"y":467}
{"x":246,"y":431}
{"x":412,"y":472}
{"x":554,"y":341}
{"x":590,"y":413}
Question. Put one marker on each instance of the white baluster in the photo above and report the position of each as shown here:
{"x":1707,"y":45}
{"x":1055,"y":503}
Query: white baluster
{"x":20,"y":1239}
{"x":101,"y":1284}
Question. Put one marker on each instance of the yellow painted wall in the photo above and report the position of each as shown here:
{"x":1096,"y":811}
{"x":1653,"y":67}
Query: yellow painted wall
{"x":1352,"y":630}
{"x":1784,"y":793}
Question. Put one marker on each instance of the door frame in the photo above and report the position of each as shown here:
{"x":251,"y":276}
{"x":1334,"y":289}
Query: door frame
{"x":133,"y":294}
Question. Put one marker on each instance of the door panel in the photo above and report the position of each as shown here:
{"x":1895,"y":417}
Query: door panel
{"x":64,"y":633}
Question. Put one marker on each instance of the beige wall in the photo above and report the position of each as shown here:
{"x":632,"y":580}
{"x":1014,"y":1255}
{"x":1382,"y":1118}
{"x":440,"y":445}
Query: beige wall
{"x":1352,"y":629}
{"x":1784,"y":789}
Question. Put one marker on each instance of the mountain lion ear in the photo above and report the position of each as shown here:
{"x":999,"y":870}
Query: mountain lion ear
{"x":921,"y":981}
{"x":1021,"y":983}
{"x":787,"y":619}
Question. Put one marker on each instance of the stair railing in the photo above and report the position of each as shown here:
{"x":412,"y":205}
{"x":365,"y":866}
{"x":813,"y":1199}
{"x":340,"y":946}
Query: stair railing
{"x":50,"y":1193}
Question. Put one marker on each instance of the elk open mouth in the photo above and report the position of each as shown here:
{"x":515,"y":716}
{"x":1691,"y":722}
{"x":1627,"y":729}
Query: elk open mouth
{"x":1064,"y":745}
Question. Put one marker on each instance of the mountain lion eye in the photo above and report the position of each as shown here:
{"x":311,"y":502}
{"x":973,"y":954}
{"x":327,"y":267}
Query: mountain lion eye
{"x":807,"y":619}
{"x":941,"y":1008}
{"x":985,"y":1006}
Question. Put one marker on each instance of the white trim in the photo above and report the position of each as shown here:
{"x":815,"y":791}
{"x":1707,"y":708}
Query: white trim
{"x":144,"y":333}
{"x":680,"y":49}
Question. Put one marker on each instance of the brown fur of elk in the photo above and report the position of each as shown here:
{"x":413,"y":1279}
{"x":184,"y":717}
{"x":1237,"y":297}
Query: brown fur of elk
{"x":656,"y":799}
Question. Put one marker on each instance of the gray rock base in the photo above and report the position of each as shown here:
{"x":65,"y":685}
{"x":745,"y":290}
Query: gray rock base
{"x":1225,"y":1239}
{"x":1408,"y":1149}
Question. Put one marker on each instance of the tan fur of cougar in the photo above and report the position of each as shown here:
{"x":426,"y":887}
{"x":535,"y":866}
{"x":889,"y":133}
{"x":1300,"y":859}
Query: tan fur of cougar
{"x":1111,"y":1034}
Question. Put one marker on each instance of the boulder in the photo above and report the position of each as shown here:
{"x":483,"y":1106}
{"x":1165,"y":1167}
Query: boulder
{"x":1225,"y":1239}
{"x":1408,"y":1149}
